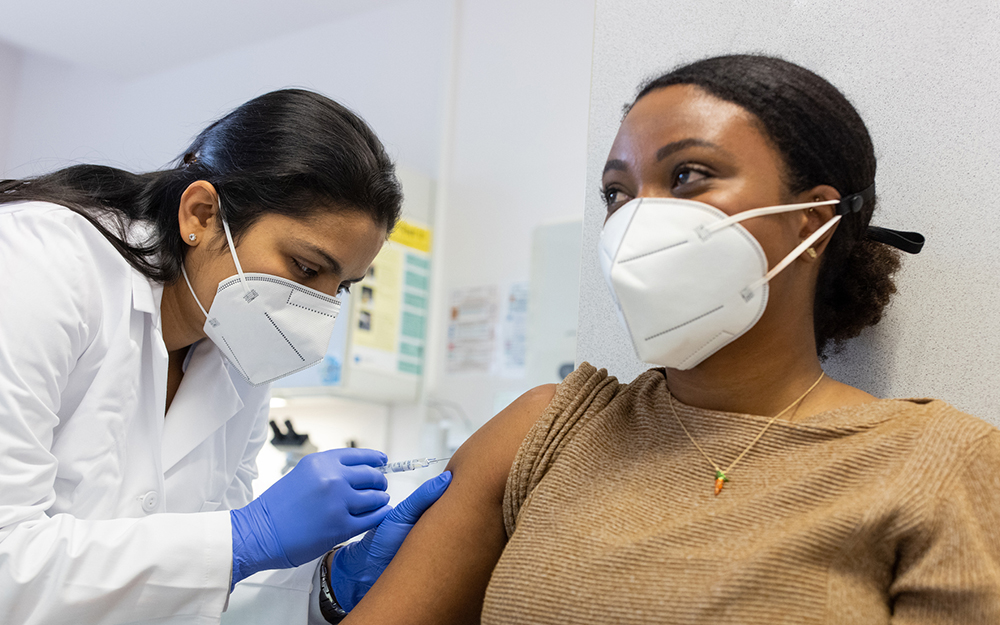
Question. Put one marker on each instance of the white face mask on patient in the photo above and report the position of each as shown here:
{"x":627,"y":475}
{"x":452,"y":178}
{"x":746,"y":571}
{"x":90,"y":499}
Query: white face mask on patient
{"x":687,"y":278}
{"x":266,"y":326}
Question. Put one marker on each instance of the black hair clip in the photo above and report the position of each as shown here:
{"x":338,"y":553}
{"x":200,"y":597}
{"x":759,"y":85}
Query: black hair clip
{"x":854,"y":202}
{"x":909,"y":242}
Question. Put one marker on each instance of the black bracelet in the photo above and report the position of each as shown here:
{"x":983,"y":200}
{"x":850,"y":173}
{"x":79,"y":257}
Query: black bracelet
{"x":328,"y":605}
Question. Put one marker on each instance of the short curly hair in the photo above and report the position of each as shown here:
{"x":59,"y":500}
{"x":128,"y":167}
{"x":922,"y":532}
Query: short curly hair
{"x":822,"y":140}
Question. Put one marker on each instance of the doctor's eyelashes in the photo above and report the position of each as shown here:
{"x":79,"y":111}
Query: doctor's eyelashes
{"x":304,"y":270}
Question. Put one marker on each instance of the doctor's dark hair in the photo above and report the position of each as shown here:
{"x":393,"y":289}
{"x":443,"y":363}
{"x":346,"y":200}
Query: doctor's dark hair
{"x":822,"y":140}
{"x":290,"y":152}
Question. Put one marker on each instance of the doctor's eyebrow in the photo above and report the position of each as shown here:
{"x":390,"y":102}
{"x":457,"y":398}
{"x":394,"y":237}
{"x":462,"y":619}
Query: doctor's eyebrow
{"x":332,"y":263}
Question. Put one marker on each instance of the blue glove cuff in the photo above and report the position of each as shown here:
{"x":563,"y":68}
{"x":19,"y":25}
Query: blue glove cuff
{"x":255,"y":547}
{"x":350,"y":579}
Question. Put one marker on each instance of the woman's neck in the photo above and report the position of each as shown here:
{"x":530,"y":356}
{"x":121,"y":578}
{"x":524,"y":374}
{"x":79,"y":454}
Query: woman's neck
{"x":176,"y":314}
{"x":763,"y":379}
{"x":761,"y":373}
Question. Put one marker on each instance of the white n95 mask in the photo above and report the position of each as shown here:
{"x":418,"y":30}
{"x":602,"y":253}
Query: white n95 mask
{"x":267,"y":327}
{"x":686,"y":277}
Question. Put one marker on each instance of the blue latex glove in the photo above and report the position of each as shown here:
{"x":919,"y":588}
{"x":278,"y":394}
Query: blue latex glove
{"x":326,"y":499}
{"x":356,"y":566}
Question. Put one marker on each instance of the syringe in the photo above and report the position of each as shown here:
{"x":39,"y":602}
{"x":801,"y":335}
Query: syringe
{"x":409,"y":465}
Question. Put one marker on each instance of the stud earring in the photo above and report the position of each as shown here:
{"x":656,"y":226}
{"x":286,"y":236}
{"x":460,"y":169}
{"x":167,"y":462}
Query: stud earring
{"x":811,"y":252}
{"x":192,"y":237}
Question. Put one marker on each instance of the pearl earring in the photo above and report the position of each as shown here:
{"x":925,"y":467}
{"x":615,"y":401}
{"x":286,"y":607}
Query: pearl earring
{"x":192,"y":237}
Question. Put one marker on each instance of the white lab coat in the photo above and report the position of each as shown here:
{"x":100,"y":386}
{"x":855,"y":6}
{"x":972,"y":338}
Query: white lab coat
{"x":111,"y":512}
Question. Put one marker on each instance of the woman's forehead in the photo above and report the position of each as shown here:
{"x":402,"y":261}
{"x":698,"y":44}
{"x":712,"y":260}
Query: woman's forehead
{"x":685,"y":112}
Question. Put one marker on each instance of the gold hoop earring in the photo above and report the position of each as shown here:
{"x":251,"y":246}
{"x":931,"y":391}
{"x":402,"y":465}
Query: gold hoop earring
{"x":811,"y":252}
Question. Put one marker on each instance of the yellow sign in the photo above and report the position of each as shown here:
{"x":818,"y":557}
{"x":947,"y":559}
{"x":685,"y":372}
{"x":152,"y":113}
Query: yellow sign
{"x":412,"y":235}
{"x":381,"y":296}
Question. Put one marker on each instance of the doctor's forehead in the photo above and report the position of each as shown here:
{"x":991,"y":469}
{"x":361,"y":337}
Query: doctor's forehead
{"x":350,"y":238}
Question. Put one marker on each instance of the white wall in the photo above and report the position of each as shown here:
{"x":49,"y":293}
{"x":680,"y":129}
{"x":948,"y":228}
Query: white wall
{"x":388,"y":64}
{"x":517,"y":158}
{"x":10,"y":72}
{"x":923,"y":76}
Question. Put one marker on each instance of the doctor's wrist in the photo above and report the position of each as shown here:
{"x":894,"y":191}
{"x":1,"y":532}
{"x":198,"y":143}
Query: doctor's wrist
{"x":328,"y":606}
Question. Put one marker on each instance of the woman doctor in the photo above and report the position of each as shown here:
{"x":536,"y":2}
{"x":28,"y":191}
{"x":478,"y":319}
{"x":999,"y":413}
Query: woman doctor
{"x":141,"y":320}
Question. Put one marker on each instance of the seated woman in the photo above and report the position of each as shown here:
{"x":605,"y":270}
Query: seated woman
{"x":596,"y":501}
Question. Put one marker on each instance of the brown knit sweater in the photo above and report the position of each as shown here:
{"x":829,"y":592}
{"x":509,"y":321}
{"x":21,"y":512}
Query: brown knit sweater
{"x":883,"y":513}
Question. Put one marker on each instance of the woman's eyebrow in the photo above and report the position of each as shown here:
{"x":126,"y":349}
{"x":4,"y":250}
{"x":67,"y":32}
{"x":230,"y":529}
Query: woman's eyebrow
{"x":665,"y":151}
{"x":677,"y":146}
{"x":616,"y":165}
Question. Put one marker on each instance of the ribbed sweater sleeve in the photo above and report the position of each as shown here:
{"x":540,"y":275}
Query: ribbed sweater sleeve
{"x":573,"y":403}
{"x":949,"y":572}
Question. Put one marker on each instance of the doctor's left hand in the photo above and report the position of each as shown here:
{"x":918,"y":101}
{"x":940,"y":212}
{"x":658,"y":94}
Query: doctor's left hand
{"x":356,"y":566}
{"x":326,"y":499}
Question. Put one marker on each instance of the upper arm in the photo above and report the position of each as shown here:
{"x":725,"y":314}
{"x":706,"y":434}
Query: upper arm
{"x":49,"y":308}
{"x":440,"y":573}
{"x":952,"y":573}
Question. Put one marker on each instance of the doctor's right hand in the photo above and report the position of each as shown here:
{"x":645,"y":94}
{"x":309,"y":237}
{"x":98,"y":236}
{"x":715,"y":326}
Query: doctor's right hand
{"x":326,"y":499}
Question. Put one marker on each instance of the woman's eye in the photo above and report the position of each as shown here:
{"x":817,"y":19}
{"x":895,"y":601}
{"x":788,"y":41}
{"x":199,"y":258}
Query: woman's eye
{"x":305,"y":270}
{"x":687,"y":175}
{"x":614,"y":198}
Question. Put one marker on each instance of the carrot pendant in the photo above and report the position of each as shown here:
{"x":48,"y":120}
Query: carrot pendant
{"x":720,"y":481}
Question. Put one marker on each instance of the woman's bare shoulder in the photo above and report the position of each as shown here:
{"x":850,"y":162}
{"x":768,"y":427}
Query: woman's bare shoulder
{"x":440,"y":573}
{"x":491,"y":450}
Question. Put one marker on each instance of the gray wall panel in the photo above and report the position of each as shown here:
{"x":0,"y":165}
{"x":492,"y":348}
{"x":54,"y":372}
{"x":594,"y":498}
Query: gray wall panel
{"x":924,"y":76}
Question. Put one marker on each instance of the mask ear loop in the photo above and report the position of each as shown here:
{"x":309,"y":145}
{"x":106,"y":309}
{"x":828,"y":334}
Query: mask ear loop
{"x":191,"y":288}
{"x":704,"y":231}
{"x":232,"y":250}
{"x":748,"y":292}
{"x":248,"y":293}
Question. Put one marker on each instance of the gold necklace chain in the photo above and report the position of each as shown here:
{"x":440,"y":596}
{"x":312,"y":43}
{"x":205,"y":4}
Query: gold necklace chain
{"x":721,"y":476}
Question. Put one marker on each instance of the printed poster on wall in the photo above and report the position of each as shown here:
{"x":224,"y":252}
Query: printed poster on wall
{"x":390,"y":323}
{"x":472,"y":329}
{"x":515,"y":331}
